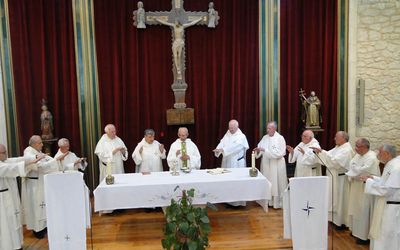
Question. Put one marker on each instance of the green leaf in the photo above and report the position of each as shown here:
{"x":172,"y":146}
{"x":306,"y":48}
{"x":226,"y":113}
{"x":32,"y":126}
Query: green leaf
{"x":205,"y":219}
{"x":183,"y":227}
{"x":170,"y":228}
{"x":192,"y":245}
{"x":191,"y":217}
{"x":190,"y":193}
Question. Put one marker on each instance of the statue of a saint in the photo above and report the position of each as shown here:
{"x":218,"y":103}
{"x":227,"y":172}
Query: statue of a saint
{"x":139,"y":18}
{"x":46,"y":119}
{"x":212,"y":16}
{"x":178,"y":43}
{"x":311,"y":106}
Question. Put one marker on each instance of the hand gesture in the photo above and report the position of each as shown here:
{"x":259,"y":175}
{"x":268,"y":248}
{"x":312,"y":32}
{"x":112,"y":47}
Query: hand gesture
{"x":258,"y":150}
{"x":185,"y":157}
{"x":61,"y":157}
{"x":316,"y":150}
{"x":178,"y":152}
{"x":301,"y":150}
{"x":122,"y":150}
{"x":218,"y":150}
{"x":161,"y":147}
{"x":289,"y":149}
{"x":141,"y":150}
{"x":365,"y":177}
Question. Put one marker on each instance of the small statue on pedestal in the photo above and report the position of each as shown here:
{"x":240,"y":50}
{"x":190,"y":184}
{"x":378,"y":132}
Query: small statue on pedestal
{"x":46,"y":119}
{"x":311,"y":116}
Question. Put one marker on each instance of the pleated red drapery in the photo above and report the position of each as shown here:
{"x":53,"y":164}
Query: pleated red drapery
{"x":309,"y":61}
{"x":135,"y":73}
{"x":43,"y":57}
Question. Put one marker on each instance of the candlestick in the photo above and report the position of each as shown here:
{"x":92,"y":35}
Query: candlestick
{"x":253,"y":159}
{"x":108,"y":167}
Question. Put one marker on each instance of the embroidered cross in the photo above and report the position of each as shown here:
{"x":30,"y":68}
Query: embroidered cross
{"x":42,"y":205}
{"x":67,"y":238}
{"x":308,"y":209}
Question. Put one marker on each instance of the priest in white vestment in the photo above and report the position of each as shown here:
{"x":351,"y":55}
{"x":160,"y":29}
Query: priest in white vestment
{"x":337,"y":161}
{"x":71,"y":162}
{"x":307,"y":163}
{"x":32,"y":188}
{"x":148,"y":154}
{"x":111,"y":148}
{"x":183,"y":153}
{"x":272,"y":149}
{"x":385,"y":230}
{"x":360,"y":203}
{"x":11,"y":236}
{"x":233,"y":147}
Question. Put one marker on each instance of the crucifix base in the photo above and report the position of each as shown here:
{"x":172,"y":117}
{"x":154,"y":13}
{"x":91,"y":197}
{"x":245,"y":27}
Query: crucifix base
{"x":180,"y":116}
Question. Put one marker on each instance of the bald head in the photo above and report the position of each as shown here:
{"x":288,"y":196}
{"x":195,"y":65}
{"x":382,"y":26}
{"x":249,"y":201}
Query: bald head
{"x":183,"y":133}
{"x":307,"y":136}
{"x":271,"y":128}
{"x":36,"y":142}
{"x":3,"y":152}
{"x":110,"y":130}
{"x":341,"y":138}
{"x":233,"y":126}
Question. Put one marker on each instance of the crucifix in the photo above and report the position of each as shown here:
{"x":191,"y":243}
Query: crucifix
{"x":178,"y":20}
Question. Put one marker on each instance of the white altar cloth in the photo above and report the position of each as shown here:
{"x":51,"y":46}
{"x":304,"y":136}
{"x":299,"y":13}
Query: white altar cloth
{"x":157,"y":189}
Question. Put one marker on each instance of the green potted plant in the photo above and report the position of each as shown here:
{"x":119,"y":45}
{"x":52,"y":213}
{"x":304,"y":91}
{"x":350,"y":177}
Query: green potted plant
{"x":187,"y":227}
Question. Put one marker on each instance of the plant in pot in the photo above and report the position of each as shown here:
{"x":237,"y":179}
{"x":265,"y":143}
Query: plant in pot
{"x":187,"y":226}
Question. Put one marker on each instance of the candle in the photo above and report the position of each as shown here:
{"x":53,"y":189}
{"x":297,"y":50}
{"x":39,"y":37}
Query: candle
{"x":109,"y":168}
{"x":253,"y":159}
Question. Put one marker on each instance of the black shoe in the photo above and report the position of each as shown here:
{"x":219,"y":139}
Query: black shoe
{"x":362,"y":242}
{"x":227,"y":205}
{"x":40,"y":234}
{"x":340,"y":228}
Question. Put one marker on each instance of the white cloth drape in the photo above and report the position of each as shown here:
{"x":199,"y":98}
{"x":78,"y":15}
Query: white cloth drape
{"x":306,"y":213}
{"x":67,"y":210}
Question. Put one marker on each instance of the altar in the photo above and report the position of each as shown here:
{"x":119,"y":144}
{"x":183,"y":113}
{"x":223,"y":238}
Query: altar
{"x":158,"y":188}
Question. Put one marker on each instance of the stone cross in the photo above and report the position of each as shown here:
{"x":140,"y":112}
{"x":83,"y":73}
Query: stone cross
{"x":178,"y":20}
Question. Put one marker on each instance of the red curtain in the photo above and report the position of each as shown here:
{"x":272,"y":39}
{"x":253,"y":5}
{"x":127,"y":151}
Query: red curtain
{"x":43,"y":59}
{"x":135,"y":73}
{"x":309,"y":61}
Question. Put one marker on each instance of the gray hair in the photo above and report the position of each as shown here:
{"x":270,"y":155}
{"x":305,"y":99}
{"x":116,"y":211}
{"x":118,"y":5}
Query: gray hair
{"x":391,"y":149}
{"x":149,"y":131}
{"x":364,"y":142}
{"x":309,"y":132}
{"x":273,"y":123}
{"x":108,"y":126}
{"x":34,"y":139}
{"x":345,"y":135}
{"x":183,"y":129}
{"x":63,"y":142}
